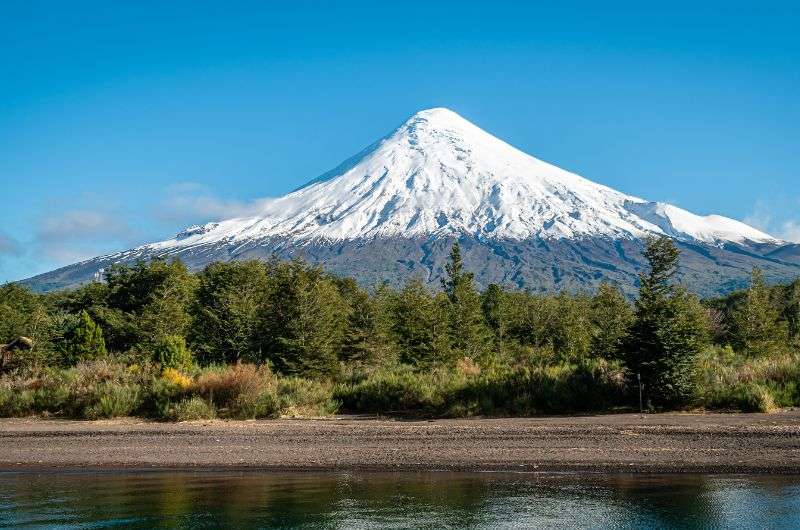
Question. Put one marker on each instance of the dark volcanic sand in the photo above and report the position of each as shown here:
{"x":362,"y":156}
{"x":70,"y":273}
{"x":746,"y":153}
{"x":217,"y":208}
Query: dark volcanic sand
{"x":661,"y":443}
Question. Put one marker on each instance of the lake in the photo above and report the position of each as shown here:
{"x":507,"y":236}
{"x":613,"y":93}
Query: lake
{"x":402,"y":500}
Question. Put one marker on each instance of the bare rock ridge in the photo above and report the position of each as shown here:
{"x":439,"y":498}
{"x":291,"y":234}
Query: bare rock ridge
{"x":391,"y":211}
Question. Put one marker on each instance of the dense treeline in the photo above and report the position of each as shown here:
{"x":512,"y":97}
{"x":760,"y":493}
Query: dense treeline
{"x":155,"y":339}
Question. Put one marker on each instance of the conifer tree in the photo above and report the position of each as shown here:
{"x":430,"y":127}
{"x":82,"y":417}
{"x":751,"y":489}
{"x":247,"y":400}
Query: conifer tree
{"x":756,"y":320}
{"x":421,"y":325}
{"x":171,"y":352}
{"x":570,"y":326}
{"x":669,"y":330}
{"x":469,"y":336}
{"x":367,"y":337}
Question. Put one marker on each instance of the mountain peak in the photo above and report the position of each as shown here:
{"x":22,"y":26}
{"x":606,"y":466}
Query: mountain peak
{"x":429,"y":125}
{"x":438,"y":116}
{"x":440,"y":175}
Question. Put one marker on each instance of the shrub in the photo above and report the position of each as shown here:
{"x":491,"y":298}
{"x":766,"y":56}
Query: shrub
{"x":106,"y":389}
{"x":527,"y":389}
{"x":177,"y":378}
{"x":112,"y":400}
{"x":194,"y":408}
{"x":396,"y":391}
{"x":592,"y":384}
{"x":162,"y":394}
{"x":236,"y":390}
{"x":15,"y":402}
{"x":171,"y":352}
{"x":305,"y":397}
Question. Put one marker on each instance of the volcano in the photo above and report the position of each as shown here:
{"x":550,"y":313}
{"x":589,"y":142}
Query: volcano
{"x":392,"y":211}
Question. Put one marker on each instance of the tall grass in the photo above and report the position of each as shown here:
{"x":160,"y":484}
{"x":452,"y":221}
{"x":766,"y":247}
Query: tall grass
{"x":735,"y":381}
{"x":103,"y":389}
{"x":463,"y":391}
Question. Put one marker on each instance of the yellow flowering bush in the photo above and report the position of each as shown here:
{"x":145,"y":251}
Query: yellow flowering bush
{"x":177,"y":378}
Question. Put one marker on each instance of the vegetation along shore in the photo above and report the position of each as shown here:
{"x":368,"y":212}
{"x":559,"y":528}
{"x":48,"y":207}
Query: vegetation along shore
{"x":274,"y":339}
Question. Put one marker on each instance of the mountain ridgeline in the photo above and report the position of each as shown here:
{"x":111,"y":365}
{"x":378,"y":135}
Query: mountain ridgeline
{"x":392,"y":212}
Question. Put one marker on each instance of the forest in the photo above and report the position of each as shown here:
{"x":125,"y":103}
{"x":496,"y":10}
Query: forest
{"x":251,"y":339}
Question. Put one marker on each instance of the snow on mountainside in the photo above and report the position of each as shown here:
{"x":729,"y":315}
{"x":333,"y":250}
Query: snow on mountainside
{"x":440,"y":175}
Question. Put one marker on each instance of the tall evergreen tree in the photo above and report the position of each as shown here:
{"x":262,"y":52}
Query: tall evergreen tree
{"x":367,"y":339}
{"x":668,"y":331}
{"x":469,"y":336}
{"x":570,"y":326}
{"x":756,"y":320}
{"x":792,"y":311}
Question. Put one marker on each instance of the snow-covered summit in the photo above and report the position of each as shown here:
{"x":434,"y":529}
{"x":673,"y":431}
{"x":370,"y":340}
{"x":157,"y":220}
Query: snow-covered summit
{"x":438,"y":174}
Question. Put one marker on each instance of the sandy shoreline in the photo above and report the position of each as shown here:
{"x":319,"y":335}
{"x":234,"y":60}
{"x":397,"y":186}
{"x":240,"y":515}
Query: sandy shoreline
{"x":662,"y":443}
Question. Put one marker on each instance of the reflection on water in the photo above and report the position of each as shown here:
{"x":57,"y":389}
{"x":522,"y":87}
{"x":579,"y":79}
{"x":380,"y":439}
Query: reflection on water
{"x":404,"y":500}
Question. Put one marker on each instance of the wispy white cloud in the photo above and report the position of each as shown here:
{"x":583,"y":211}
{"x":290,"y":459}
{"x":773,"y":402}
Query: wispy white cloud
{"x":73,"y":235}
{"x":76,"y":224}
{"x":760,"y":216}
{"x":790,"y":231}
{"x":763,"y":216}
{"x":94,"y":227}
{"x":190,"y":202}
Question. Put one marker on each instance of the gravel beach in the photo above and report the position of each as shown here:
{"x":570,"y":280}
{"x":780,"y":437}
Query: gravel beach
{"x":659,"y":443}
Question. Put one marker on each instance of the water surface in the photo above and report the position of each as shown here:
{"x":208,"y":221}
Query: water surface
{"x":403,"y":500}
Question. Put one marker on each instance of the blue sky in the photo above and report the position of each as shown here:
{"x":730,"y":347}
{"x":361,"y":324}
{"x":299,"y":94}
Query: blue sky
{"x":120,"y":123}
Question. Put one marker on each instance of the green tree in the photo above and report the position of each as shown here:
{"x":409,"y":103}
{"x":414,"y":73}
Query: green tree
{"x":226,"y":311}
{"x":153,"y":300}
{"x":85,"y":341}
{"x":492,"y":306}
{"x":25,"y":313}
{"x":756,"y":326}
{"x":526,"y":319}
{"x":792,"y":311}
{"x":421,"y":326}
{"x":303,"y":320}
{"x":668,"y":331}
{"x":469,"y":336}
{"x":367,"y":338}
{"x":611,"y":319}
{"x":570,"y":327}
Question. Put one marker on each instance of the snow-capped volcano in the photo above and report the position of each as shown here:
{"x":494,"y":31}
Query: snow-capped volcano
{"x":391,"y":211}
{"x":438,"y":174}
